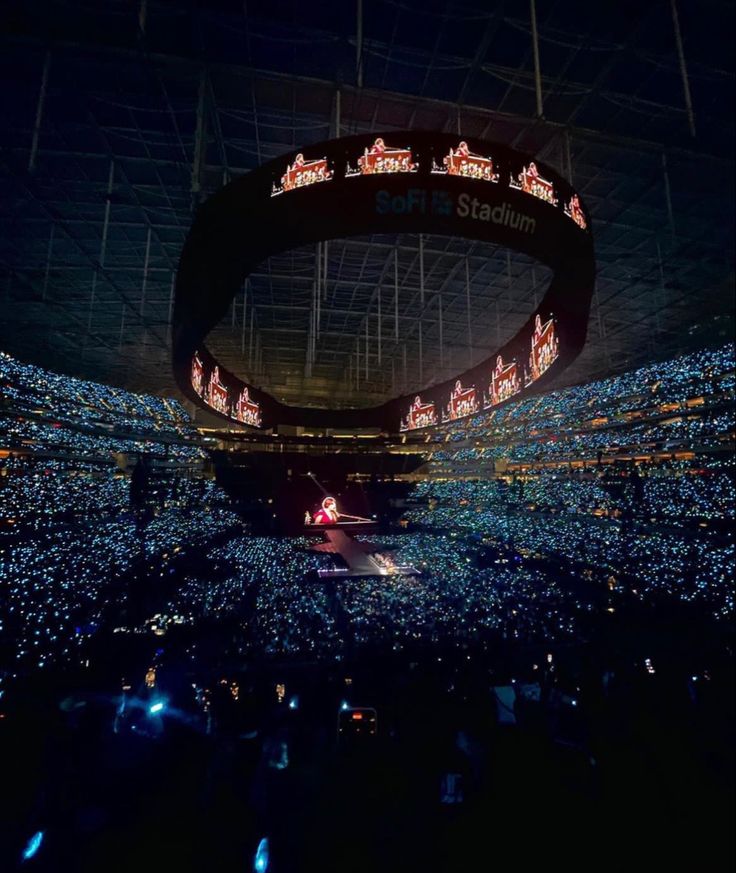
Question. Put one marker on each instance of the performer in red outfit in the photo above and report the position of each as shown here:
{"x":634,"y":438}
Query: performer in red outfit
{"x":328,"y":514}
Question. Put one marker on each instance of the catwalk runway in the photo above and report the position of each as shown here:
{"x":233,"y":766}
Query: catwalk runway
{"x":358,"y":556}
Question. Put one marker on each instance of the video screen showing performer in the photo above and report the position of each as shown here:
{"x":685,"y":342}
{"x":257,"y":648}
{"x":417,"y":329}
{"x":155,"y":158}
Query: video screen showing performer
{"x":197,"y":375}
{"x":463,"y":401}
{"x":420,"y":414}
{"x":216,"y":394}
{"x":545,"y":347}
{"x":462,"y":162}
{"x":328,"y":513}
{"x":530,"y":182}
{"x":380,"y":158}
{"x":247,"y":411}
{"x":505,"y":382}
{"x":302,"y":173}
{"x":574,"y":210}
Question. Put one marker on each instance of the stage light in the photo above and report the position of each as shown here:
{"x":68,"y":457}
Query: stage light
{"x":33,"y":845}
{"x":294,"y":703}
{"x":344,"y":706}
{"x":156,"y":708}
{"x":260,"y":862}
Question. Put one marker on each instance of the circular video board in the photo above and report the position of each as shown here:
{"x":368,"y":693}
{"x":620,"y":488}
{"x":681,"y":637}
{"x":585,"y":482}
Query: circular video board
{"x":405,"y":182}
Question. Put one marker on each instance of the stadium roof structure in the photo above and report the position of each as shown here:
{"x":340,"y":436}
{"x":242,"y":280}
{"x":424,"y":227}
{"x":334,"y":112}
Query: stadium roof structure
{"x":120,"y":118}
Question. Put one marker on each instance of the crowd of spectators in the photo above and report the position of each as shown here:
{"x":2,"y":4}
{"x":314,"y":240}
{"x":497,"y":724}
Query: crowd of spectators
{"x":290,"y":614}
{"x":72,"y":526}
{"x":528,"y":552}
{"x":684,"y":401}
{"x":58,"y":581}
{"x":44,"y":412}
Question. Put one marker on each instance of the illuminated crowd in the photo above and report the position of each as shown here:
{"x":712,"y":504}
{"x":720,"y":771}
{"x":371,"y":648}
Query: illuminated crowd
{"x":268,"y":585}
{"x":646,"y":558}
{"x":290,"y":615}
{"x":70,"y":533}
{"x":684,"y":401}
{"x":47,"y":413}
{"x":31,"y":387}
{"x":532,"y":522}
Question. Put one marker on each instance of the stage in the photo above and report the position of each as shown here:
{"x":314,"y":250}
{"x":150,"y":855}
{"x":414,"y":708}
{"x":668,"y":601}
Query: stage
{"x":362,"y":559}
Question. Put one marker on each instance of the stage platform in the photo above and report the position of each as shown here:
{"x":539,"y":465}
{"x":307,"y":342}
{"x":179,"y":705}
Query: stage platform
{"x":359,"y":558}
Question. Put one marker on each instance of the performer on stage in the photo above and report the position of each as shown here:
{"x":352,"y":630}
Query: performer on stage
{"x":378,"y":147}
{"x":328,"y":514}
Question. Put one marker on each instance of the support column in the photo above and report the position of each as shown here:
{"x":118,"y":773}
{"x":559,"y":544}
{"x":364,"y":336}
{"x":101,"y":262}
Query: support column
{"x":421,"y":308}
{"x":171,"y":309}
{"x":145,"y":270}
{"x":442,"y":340}
{"x":467,"y":306}
{"x":602,"y":333}
{"x":683,"y":69}
{"x":245,"y":314}
{"x":359,"y":44}
{"x":421,"y":356}
{"x":106,"y":219}
{"x":48,"y":264}
{"x":535,"y":49}
{"x":39,"y":113}
{"x":200,"y":134}
{"x":396,"y":295}
{"x":379,"y":326}
{"x":122,"y":327}
{"x":91,"y":305}
{"x":668,"y":196}
{"x":662,"y":289}
{"x":325,"y":271}
{"x":250,"y":339}
{"x":142,"y":16}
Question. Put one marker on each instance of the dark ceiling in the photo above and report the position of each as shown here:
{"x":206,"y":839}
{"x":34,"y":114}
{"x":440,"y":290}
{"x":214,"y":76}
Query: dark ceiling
{"x":120,"y":117}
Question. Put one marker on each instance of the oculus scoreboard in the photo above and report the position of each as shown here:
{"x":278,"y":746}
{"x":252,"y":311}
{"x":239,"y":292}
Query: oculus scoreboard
{"x":411,"y":182}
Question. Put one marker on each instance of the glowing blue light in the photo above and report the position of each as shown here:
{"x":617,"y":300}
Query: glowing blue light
{"x":156,"y":708}
{"x":344,"y":705}
{"x":260,"y":862}
{"x":34,"y":844}
{"x":294,"y":703}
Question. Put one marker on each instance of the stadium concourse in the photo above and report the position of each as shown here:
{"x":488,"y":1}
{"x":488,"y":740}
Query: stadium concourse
{"x":576,"y":559}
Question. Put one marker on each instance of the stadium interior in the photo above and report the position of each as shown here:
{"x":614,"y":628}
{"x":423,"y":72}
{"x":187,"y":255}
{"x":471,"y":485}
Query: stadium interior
{"x":505,"y":637}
